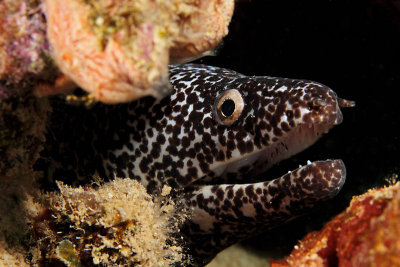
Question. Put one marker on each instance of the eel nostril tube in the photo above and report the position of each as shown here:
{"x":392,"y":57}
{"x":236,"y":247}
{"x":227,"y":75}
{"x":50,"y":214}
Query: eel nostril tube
{"x":344,"y":103}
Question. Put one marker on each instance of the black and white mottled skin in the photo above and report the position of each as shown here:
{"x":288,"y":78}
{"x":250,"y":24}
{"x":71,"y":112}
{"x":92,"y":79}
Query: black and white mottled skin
{"x":207,"y":150}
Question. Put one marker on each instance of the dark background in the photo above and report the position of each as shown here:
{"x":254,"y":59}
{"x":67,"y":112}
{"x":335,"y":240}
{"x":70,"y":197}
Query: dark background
{"x":351,"y":46}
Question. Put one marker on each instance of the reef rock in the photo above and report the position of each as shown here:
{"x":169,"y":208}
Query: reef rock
{"x":118,"y":51}
{"x":24,"y":50}
{"x":115,"y":50}
{"x":118,"y":224}
{"x":365,"y":234}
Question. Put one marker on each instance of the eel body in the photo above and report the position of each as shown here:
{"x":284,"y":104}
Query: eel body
{"x":217,"y":131}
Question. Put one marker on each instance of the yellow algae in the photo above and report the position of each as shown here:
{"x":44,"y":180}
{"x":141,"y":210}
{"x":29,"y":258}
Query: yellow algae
{"x":116,"y":224}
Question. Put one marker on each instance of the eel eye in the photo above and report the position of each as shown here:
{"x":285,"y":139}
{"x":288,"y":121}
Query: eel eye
{"x":228,"y":106}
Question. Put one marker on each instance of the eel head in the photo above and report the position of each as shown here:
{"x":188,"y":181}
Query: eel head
{"x":244,"y":126}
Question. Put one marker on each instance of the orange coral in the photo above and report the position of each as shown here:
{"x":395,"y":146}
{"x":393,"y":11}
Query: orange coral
{"x":110,"y":73}
{"x":202,"y":29}
{"x":365,"y":234}
{"x":118,"y":50}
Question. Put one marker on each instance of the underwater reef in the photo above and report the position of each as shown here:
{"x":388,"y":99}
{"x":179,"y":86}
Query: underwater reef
{"x":104,"y":225}
{"x":352,"y":47}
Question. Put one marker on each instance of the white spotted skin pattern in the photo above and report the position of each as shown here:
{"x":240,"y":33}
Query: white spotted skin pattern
{"x":224,"y":214}
{"x":178,"y":141}
{"x":187,"y":144}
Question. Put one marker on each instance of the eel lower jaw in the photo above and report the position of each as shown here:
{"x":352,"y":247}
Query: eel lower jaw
{"x":226,"y":213}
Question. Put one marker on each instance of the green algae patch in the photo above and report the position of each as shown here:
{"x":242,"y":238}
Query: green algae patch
{"x":68,"y":254}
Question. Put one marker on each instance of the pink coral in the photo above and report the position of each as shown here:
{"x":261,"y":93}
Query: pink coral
{"x":23,"y":43}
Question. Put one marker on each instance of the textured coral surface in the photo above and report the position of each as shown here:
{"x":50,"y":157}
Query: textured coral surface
{"x":117,"y":224}
{"x":365,"y":234}
{"x":23,"y":43}
{"x":116,"y":50}
{"x":119,"y":50}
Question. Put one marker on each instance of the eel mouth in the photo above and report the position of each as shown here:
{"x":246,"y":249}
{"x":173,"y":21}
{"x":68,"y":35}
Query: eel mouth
{"x":295,"y":141}
{"x":292,"y":142}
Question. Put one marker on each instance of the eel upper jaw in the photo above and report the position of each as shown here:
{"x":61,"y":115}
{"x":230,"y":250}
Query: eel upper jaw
{"x":296,"y":140}
{"x":302,"y":136}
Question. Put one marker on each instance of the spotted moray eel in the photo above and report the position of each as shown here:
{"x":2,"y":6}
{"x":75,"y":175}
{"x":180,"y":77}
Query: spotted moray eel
{"x":208,"y":140}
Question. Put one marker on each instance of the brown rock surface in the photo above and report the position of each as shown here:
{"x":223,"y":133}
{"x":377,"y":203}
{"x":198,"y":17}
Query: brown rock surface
{"x":365,"y":234}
